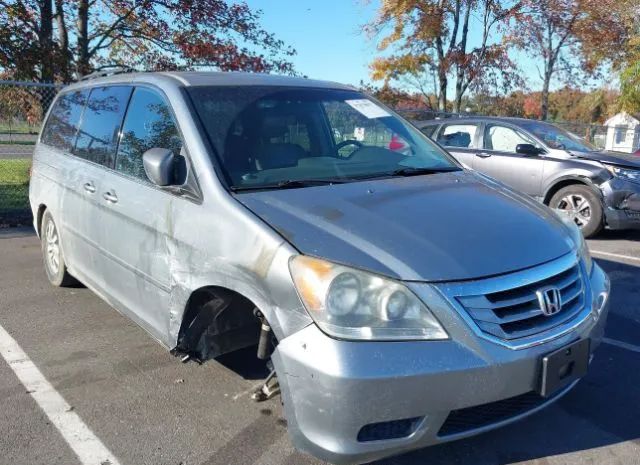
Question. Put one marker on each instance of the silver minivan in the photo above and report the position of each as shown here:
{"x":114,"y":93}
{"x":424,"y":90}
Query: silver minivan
{"x":400,"y":299}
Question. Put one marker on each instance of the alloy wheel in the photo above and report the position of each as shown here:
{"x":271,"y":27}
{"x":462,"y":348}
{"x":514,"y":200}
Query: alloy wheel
{"x":577,"y":207}
{"x":52,"y":247}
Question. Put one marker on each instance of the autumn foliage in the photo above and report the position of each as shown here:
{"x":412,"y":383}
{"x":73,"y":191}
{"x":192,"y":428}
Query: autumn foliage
{"x":47,"y":40}
{"x":427,"y":43}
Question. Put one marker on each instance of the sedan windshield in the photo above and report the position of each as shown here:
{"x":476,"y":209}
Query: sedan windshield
{"x":557,"y":138}
{"x":275,"y":137}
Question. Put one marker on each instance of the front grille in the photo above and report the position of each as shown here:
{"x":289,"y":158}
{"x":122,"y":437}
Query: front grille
{"x":508,"y":308}
{"x":633,"y":214}
{"x":471,"y":418}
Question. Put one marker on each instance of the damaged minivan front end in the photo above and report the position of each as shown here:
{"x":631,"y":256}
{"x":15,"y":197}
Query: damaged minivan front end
{"x":418,"y":347}
{"x":400,"y":299}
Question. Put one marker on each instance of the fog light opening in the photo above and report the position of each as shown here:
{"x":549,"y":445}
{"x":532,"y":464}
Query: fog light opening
{"x":395,"y":429}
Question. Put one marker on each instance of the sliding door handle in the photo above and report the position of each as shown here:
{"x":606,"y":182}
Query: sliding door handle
{"x":110,"y":197}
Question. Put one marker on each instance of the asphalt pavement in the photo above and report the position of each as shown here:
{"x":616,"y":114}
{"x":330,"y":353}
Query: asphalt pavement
{"x":146,"y":407}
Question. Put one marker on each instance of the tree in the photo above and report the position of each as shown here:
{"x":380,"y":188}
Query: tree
{"x":630,"y":87}
{"x":630,"y":66}
{"x":567,"y":35}
{"x":429,"y":43}
{"x":45,"y":40}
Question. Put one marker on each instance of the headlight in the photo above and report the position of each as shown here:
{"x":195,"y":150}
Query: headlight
{"x":578,"y":239}
{"x":624,"y":173}
{"x":352,"y":304}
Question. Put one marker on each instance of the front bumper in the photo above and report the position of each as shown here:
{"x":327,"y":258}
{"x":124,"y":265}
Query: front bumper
{"x":332,"y":389}
{"x":621,"y":203}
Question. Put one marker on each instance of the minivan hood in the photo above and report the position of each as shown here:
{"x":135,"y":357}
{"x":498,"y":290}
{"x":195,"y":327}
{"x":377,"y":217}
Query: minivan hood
{"x":438,"y":227}
{"x":615,"y":158}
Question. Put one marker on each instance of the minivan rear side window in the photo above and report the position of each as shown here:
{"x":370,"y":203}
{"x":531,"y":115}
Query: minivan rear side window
{"x":100,"y":125}
{"x":62,"y":125}
{"x":148,"y":124}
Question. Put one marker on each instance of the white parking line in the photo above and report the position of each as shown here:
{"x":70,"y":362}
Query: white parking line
{"x":615,"y":255}
{"x":82,"y":441}
{"x":622,"y":345}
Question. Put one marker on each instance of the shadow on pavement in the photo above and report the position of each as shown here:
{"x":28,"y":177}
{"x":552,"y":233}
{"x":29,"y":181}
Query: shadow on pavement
{"x":627,"y":235}
{"x":602,"y":410}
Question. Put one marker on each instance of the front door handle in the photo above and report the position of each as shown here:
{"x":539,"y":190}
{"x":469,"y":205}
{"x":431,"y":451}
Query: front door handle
{"x":483,"y":154}
{"x":89,"y":187}
{"x":110,"y":197}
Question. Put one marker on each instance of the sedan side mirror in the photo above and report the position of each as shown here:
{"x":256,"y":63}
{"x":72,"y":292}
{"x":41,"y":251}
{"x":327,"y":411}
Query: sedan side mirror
{"x":528,"y":149}
{"x":159,"y":164}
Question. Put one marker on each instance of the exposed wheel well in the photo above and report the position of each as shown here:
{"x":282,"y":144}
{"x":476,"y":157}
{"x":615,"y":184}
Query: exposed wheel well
{"x":556,"y":187}
{"x":217,"y":321}
{"x":41,"y":209}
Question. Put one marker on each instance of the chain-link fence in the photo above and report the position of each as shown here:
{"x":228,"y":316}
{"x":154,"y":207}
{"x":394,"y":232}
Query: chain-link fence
{"x":22,"y":107}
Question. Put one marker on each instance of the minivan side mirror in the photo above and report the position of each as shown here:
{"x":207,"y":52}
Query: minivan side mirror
{"x":159,"y":164}
{"x":528,"y":149}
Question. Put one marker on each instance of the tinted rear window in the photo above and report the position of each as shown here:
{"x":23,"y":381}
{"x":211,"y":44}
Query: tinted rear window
{"x":98,"y":135}
{"x":429,"y":130}
{"x":62,"y":125}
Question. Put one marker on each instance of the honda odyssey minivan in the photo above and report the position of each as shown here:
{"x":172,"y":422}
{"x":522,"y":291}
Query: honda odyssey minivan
{"x":400,"y":299}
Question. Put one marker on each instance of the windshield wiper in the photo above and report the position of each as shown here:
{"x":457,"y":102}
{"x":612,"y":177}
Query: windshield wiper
{"x":420,"y":171}
{"x":292,"y":183}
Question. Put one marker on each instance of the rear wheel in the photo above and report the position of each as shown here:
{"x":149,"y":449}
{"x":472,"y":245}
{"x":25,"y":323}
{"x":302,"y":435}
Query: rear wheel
{"x":582,"y":205}
{"x":54,"y":264}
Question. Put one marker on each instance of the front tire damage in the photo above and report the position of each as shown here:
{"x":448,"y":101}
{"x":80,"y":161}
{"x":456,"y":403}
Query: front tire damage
{"x":218,"y":321}
{"x":270,"y":387}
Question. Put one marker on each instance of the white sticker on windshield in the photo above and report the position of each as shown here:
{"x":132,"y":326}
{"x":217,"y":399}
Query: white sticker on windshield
{"x":368,"y":108}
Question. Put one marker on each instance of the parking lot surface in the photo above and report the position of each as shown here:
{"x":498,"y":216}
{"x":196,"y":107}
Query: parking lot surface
{"x":146,"y":407}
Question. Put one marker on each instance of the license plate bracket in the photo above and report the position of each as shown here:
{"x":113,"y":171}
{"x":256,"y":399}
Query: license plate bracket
{"x":564,"y":366}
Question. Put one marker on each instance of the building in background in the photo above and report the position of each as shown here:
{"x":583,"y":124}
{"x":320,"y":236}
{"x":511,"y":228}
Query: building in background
{"x":623,"y":133}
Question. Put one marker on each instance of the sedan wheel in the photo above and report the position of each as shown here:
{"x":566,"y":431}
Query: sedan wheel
{"x":582,"y":205}
{"x":577,"y":207}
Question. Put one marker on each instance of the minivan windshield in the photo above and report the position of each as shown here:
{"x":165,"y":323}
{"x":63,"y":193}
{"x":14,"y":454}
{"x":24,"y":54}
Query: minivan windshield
{"x":557,"y":138}
{"x":280,"y":137}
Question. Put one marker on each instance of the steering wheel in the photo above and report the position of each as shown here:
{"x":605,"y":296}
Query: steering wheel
{"x":347,"y":142}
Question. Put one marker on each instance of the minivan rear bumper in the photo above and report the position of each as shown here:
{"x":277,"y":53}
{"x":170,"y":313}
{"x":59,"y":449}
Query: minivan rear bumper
{"x":353,"y":402}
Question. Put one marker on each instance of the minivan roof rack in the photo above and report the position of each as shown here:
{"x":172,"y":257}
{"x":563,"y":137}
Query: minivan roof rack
{"x":107,"y":72}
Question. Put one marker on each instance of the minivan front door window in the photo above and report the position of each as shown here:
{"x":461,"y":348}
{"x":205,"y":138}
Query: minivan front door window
{"x":148,"y":124}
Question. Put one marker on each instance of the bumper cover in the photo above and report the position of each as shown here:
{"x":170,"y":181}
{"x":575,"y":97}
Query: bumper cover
{"x":332,"y":389}
{"x":622,"y":204}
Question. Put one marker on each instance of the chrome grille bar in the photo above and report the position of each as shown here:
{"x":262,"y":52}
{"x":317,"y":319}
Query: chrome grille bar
{"x":507,"y":307}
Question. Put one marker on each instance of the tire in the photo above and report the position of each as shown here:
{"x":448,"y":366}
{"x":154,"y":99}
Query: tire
{"x":583,"y":205}
{"x":54,"y":264}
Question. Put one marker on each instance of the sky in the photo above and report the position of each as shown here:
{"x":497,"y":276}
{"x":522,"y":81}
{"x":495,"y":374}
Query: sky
{"x":327,"y":34}
{"x":330,"y":42}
